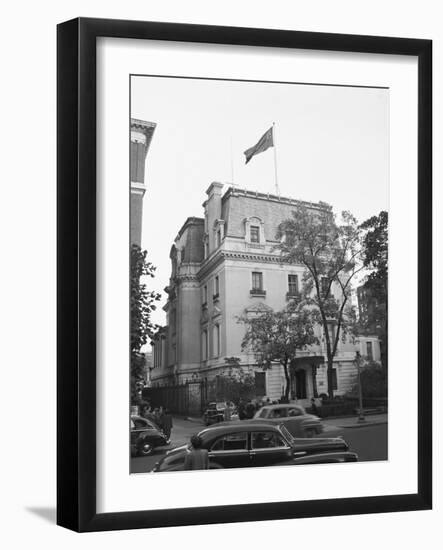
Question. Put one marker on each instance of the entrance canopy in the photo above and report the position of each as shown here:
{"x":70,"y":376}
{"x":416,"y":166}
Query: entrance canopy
{"x":309,"y":359}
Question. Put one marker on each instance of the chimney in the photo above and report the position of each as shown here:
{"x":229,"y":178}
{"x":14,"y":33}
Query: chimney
{"x":213,"y":210}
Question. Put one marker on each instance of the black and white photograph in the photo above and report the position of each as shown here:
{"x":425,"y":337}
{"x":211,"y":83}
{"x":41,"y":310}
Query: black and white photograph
{"x":258,"y":273}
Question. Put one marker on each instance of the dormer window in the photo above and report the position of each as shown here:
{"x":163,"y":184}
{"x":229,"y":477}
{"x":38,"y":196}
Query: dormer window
{"x":255,"y":234}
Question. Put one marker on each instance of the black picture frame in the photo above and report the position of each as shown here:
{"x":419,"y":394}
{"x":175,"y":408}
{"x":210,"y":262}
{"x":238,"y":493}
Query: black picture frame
{"x":76,"y":294}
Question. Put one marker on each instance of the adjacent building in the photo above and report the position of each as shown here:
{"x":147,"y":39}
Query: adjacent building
{"x":141,"y":136}
{"x":223,"y":265}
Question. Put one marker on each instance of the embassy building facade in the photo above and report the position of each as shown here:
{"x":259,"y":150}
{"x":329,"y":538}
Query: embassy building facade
{"x":223,"y":266}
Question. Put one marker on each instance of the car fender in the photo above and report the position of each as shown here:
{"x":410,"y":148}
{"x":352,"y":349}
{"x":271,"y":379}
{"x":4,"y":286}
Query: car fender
{"x":310,"y":422}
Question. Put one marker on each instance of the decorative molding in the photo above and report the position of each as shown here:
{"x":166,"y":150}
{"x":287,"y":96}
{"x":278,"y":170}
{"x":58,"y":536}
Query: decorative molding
{"x":257,"y":308}
{"x":216,"y":312}
{"x":220,"y":255}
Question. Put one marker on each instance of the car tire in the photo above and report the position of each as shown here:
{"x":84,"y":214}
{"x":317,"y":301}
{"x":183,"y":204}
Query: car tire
{"x":145,"y":448}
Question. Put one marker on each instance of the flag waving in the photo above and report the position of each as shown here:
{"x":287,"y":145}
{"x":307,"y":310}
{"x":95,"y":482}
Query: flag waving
{"x":266,"y":141}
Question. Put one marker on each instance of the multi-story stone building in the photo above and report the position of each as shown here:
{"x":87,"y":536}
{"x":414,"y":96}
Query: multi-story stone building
{"x":224,"y":265}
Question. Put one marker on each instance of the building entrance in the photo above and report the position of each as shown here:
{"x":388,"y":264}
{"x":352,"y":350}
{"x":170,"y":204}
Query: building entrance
{"x":300,"y":384}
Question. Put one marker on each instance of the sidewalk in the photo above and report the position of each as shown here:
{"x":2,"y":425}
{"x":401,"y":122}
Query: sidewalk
{"x":352,"y":421}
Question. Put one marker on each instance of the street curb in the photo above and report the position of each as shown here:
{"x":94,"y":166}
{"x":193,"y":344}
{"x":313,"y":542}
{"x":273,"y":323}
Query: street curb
{"x":192,"y":419}
{"x":363,"y":424}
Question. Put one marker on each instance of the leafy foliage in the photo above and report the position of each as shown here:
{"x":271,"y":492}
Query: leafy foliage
{"x":375,"y":242}
{"x":374,"y":319}
{"x":276,"y":336}
{"x":142,"y":304}
{"x":374,"y":381}
{"x":330,"y":250}
{"x":234,"y":384}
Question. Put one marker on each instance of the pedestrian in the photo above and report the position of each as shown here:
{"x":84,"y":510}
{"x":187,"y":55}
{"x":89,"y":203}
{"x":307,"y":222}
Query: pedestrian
{"x":241,"y":410}
{"x":161,"y":417}
{"x":156,"y":416}
{"x":147,"y":413}
{"x":167,"y":424}
{"x":250,"y":409}
{"x":227,"y":412}
{"x":197,"y":458}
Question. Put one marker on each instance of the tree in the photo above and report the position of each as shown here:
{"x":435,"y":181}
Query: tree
{"x":375,"y":258}
{"x":276,"y":336}
{"x":374,"y":381}
{"x":330,"y":251}
{"x":142,"y":305}
{"x":235,"y":383}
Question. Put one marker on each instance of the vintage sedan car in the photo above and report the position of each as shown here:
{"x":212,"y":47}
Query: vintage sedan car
{"x":252,"y":443}
{"x":215,"y":412}
{"x":294,"y":417}
{"x":145,"y":436}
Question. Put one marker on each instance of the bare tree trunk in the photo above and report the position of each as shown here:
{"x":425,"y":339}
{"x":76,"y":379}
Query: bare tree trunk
{"x":330,"y":376}
{"x":287,"y":378}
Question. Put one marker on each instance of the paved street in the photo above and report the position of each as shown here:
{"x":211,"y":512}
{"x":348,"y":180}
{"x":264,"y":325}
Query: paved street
{"x":369,"y":442}
{"x":181,"y":433}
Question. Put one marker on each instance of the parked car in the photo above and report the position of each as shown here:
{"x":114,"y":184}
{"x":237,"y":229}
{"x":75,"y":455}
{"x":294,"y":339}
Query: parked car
{"x":145,"y":436}
{"x":294,"y":417}
{"x":252,"y":443}
{"x":215,"y":412}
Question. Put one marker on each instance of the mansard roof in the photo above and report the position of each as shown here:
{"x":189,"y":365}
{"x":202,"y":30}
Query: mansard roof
{"x":190,"y":240}
{"x":238,"y":204}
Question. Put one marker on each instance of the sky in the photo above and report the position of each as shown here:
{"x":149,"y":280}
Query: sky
{"x":331,"y":145}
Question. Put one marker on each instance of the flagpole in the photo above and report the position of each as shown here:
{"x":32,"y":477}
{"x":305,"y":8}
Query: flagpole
{"x":232,"y":161}
{"x":277,"y":189}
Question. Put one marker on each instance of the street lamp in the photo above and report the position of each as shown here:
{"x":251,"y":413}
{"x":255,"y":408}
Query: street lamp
{"x":361,"y":416}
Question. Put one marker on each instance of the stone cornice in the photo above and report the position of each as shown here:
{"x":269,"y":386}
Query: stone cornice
{"x":237,"y":192}
{"x":241,"y":256}
{"x":253,"y":257}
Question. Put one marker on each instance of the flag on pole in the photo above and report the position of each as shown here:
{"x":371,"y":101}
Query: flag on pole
{"x":266,"y":141}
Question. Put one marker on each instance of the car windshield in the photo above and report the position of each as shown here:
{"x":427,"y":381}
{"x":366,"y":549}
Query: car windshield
{"x":286,"y":433}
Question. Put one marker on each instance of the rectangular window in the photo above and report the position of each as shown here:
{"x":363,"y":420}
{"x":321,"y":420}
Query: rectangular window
{"x":257,"y":280}
{"x":205,"y":345}
{"x":216,"y":286}
{"x":266,"y":440}
{"x":231,"y":442}
{"x":292,"y":285}
{"x":205,"y":294}
{"x":216,"y":340}
{"x":219,"y":237}
{"x":369,"y":352}
{"x":255,"y":234}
